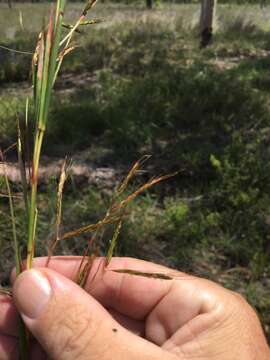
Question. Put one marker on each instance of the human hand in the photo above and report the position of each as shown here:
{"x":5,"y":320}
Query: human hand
{"x":122,"y":316}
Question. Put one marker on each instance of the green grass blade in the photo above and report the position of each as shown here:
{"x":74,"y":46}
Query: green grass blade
{"x":13,"y":219}
{"x":113,"y":242}
{"x":22,"y":165}
{"x":56,"y":41}
{"x":45,"y":77}
{"x":44,"y":92}
{"x":23,"y":340}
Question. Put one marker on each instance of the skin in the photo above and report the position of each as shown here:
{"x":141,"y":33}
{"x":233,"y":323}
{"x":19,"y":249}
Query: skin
{"x":121,"y":316}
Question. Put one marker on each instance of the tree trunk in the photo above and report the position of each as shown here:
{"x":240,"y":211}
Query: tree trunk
{"x":208,"y":12}
{"x":263,"y":4}
{"x":149,"y":4}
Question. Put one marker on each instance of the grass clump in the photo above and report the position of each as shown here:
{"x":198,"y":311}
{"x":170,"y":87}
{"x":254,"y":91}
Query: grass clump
{"x":205,"y":112}
{"x":47,"y":59}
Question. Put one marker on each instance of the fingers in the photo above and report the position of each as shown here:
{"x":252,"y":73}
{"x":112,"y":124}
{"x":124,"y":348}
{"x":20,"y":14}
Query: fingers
{"x":36,"y":352}
{"x":135,"y":326}
{"x":188,"y":316}
{"x":70,"y":324}
{"x":8,"y":316}
{"x":9,"y":330}
{"x":132,"y":296}
{"x":128,"y":297}
{"x":186,"y":300}
{"x":138,"y":298}
{"x":9,"y":319}
{"x":8,"y":348}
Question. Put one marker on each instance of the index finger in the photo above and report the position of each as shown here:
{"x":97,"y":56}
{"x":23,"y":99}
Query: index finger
{"x":133,"y":296}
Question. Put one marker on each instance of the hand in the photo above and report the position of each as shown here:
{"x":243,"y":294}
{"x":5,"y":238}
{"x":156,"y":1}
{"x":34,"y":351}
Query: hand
{"x":122,"y":316}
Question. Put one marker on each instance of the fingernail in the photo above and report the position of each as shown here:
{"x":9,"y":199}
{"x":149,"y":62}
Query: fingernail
{"x":32,"y":292}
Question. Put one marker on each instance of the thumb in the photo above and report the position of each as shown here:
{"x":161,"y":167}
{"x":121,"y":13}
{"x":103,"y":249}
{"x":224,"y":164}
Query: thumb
{"x":70,"y":324}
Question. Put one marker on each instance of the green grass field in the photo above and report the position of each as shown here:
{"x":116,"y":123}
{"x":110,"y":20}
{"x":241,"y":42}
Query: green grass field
{"x":138,"y":83}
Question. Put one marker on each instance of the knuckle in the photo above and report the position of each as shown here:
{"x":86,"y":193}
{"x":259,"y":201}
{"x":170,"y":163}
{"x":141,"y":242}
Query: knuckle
{"x":242,"y":308}
{"x":241,"y":301}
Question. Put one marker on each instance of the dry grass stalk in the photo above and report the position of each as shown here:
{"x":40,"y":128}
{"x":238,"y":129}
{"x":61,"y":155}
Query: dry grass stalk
{"x":114,"y":241}
{"x":90,"y":254}
{"x":114,"y":215}
{"x":6,"y":291}
{"x":132,"y":172}
{"x":21,"y":160}
{"x":46,"y":62}
{"x":85,"y":265}
{"x":23,"y":337}
{"x":84,"y":270}
{"x":63,"y":177}
{"x":44,"y":68}
{"x":116,"y":211}
{"x":15,"y":51}
{"x":17,"y":196}
{"x":82,"y":23}
{"x":13,"y":218}
{"x":161,"y":276}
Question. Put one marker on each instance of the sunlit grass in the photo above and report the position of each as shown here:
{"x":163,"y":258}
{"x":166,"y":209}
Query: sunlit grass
{"x":150,"y":88}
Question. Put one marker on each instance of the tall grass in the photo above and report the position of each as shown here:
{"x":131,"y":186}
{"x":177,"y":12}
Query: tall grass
{"x":52,"y":46}
{"x":46,"y":63}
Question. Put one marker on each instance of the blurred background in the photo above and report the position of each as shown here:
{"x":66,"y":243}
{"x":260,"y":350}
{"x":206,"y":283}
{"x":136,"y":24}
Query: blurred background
{"x":185,"y":81}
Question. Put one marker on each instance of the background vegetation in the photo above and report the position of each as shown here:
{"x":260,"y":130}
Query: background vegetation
{"x":138,"y":83}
